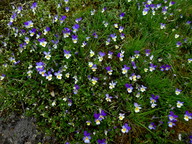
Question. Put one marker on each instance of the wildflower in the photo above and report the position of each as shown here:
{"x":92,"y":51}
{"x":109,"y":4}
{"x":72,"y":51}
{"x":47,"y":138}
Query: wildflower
{"x":116,"y":25}
{"x":104,"y":9}
{"x":47,"y":29}
{"x":145,"y":11}
{"x":138,"y":95}
{"x":75,"y":28}
{"x":133,"y":65}
{"x":32,"y":32}
{"x":143,"y":88}
{"x":125,"y":128}
{"x":152,"y":126}
{"x":2,"y":76}
{"x":92,"y":53}
{"x":171,"y":123}
{"x":42,"y":42}
{"x":67,"y":9}
{"x":162,"y":25}
{"x":66,"y":1}
{"x":97,"y":120}
{"x":78,"y":20}
{"x":176,"y":35}
{"x":120,"y":55}
{"x":189,"y":60}
{"x":179,"y":104}
{"x":177,"y":91}
{"x":171,"y":3}
{"x":178,"y":44}
{"x":76,"y":88}
{"x":109,"y":70}
{"x":147,"y":52}
{"x":67,"y":75}
{"x":66,"y":32}
{"x":108,"y":98}
{"x":39,"y":66}
{"x":47,"y":55}
{"x":153,"y":99}
{"x":152,"y":67}
{"x":172,"y":116}
{"x":58,"y":75}
{"x":187,"y":116}
{"x":62,"y":18}
{"x":28,"y":24}
{"x":101,"y":141}
{"x":43,"y":73}
{"x":93,"y":12}
{"x":74,"y":38}
{"x":113,"y":36}
{"x":112,"y":85}
{"x":69,"y":102}
{"x":164,"y":10}
{"x":121,"y":29}
{"x":95,"y":35}
{"x":86,"y":137}
{"x":190,"y":139}
{"x":125,"y":69}
{"x":94,"y":80}
{"x":108,"y":41}
{"x":110,"y":54}
{"x":49,"y":76}
{"x":105,"y":23}
{"x":136,"y":54}
{"x":34,"y":6}
{"x":26,"y":40}
{"x":121,"y":116}
{"x":122,"y":36}
{"x":101,"y":55}
{"x":94,"y":67}
{"x":67,"y":54}
{"x":121,"y":15}
{"x":129,"y":88}
{"x":84,"y":44}
{"x":88,"y":123}
{"x":137,"y":107}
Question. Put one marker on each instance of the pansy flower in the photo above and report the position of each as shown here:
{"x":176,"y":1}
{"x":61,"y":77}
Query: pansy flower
{"x":105,"y":23}
{"x":121,"y":29}
{"x":94,"y":80}
{"x":187,"y":116}
{"x":92,"y":53}
{"x":129,"y":88}
{"x":67,"y":9}
{"x":110,"y":54}
{"x":2,"y":76}
{"x":113,"y":36}
{"x":66,"y":32}
{"x":88,"y":123}
{"x":47,"y":29}
{"x":177,"y":91}
{"x":122,"y":36}
{"x":103,"y":9}
{"x":109,"y":70}
{"x":137,"y":107}
{"x":95,"y":35}
{"x":133,"y":65}
{"x":101,"y":141}
{"x":152,"y":67}
{"x":62,"y":19}
{"x":125,"y":128}
{"x":125,"y":69}
{"x":47,"y":55}
{"x":78,"y":20}
{"x":142,"y":88}
{"x":94,"y":67}
{"x":66,"y":1}
{"x":67,"y":54}
{"x":152,"y":126}
{"x":179,"y":104}
{"x":75,"y":28}
{"x":93,"y":12}
{"x":84,"y":44}
{"x":32,"y":32}
{"x":76,"y":88}
{"x":145,"y":11}
{"x":171,"y":123}
{"x":116,"y":25}
{"x":34,"y":6}
{"x":28,"y":24}
{"x":172,"y":116}
{"x":58,"y":75}
{"x":40,"y":66}
{"x":133,"y":77}
{"x":108,"y":98}
{"x":147,"y":52}
{"x":120,"y":55}
{"x":101,"y":55}
{"x":189,"y":60}
{"x":121,"y":116}
{"x":162,"y":26}
{"x":178,"y":44}
{"x":107,"y":42}
{"x":86,"y":137}
{"x":49,"y":76}
{"x":121,"y":15}
{"x":112,"y":85}
{"x":26,"y":40}
{"x":74,"y":38}
{"x":42,"y":42}
{"x":136,"y":55}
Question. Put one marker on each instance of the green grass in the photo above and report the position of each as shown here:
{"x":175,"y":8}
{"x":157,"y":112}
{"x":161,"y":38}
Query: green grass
{"x":48,"y":101}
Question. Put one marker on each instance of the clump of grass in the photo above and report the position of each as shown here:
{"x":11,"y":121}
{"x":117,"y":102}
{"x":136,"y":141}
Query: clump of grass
{"x":105,"y":73}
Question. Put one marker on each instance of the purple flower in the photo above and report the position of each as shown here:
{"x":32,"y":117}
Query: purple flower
{"x":86,"y":137}
{"x":101,"y":141}
{"x":39,"y":66}
{"x":67,"y":9}
{"x":78,"y":20}
{"x":171,"y":123}
{"x":147,"y":52}
{"x":122,"y":35}
{"x":152,"y":67}
{"x":62,"y":18}
{"x":153,"y":98}
{"x":171,"y":3}
{"x":172,"y":116}
{"x":34,"y":5}
{"x":58,"y":75}
{"x":125,"y":69}
{"x":76,"y":88}
{"x":113,"y":36}
{"x":66,"y":32}
{"x":152,"y":126}
{"x":145,"y":11}
{"x":129,"y":88}
{"x":178,"y":44}
{"x":125,"y":128}
{"x":101,"y":54}
{"x":190,"y":139}
{"x":74,"y":38}
{"x":32,"y":32}
{"x":187,"y":116}
{"x":177,"y":91}
{"x":75,"y":28}
{"x":162,"y":25}
{"x":28,"y":24}
{"x":121,"y":15}
{"x":134,"y":65}
{"x":95,"y":35}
